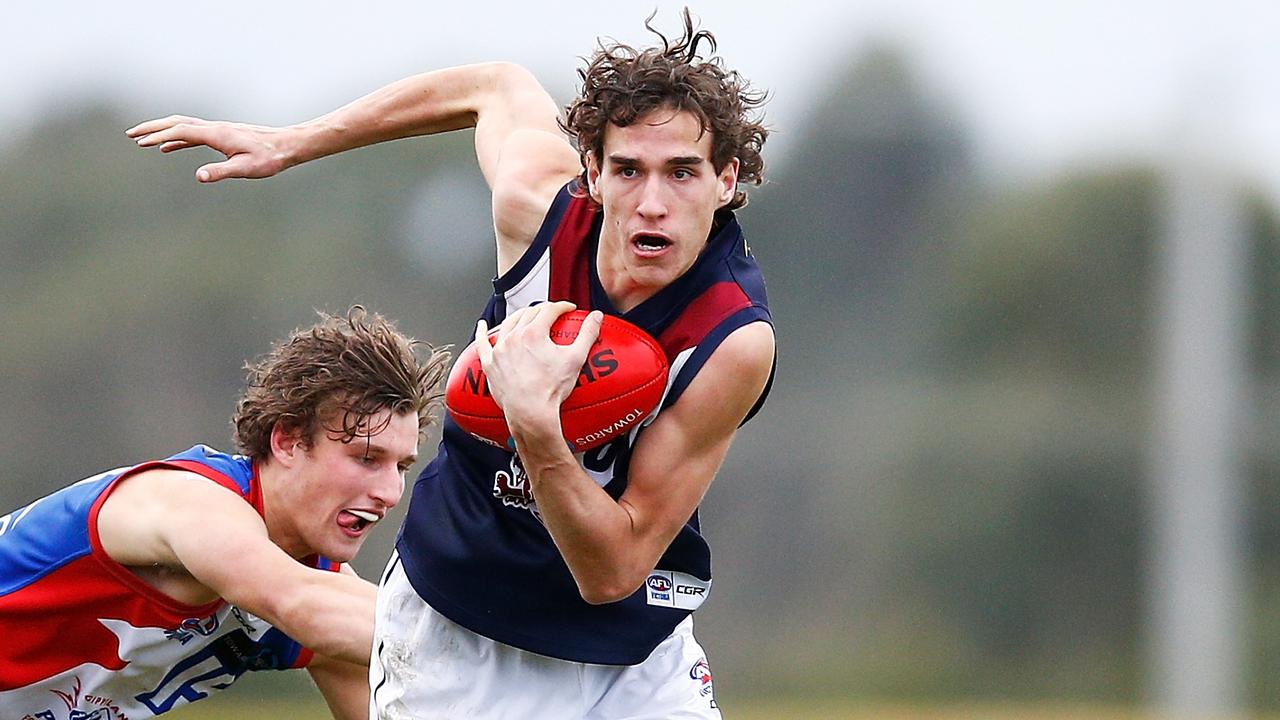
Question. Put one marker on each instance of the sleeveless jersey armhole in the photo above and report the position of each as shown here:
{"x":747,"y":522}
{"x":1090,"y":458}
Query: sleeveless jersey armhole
{"x":529,"y":258}
{"x":121,"y":572}
{"x":708,"y":344}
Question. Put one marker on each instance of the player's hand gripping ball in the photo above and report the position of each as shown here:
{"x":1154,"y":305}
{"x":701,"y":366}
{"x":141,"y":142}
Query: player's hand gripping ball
{"x":621,"y":382}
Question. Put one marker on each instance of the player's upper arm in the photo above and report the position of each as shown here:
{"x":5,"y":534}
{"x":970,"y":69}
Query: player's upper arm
{"x":184,"y":521}
{"x":524,"y":157}
{"x":679,"y":454}
{"x":145,"y":511}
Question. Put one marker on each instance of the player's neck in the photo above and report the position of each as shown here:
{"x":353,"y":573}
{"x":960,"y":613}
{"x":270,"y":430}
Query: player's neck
{"x":275,"y":515}
{"x":624,"y":297}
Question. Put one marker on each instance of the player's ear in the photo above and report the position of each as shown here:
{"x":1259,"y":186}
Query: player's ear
{"x":728,"y":178}
{"x":593,"y":179}
{"x":286,"y":443}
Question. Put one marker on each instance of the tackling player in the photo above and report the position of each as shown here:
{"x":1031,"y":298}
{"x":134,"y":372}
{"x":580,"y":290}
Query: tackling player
{"x":145,"y":588}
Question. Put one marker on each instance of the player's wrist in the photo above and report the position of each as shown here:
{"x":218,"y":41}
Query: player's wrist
{"x":310,"y":141}
{"x":537,"y":428}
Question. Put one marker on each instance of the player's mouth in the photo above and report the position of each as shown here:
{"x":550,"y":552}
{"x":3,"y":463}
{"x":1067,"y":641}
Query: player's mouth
{"x":647,"y":244}
{"x":354,"y":522}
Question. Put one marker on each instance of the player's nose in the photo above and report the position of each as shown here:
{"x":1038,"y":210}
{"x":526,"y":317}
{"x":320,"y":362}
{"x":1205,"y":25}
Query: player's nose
{"x":653,"y":203}
{"x":388,"y":487}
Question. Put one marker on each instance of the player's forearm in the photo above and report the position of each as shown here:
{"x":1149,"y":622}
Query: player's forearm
{"x":597,"y":537}
{"x":424,"y":104}
{"x":333,"y":615}
{"x":345,"y":687}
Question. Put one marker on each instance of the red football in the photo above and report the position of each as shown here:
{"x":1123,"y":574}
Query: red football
{"x":622,"y":381}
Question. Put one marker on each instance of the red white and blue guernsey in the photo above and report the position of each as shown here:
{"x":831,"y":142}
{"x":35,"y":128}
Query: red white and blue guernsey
{"x":83,"y":638}
{"x":473,"y":545}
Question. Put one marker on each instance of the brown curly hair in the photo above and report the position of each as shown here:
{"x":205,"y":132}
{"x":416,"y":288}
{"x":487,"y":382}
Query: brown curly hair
{"x":334,"y":376}
{"x":621,"y":84}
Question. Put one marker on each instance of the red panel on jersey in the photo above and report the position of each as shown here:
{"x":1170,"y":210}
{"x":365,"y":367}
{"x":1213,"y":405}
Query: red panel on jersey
{"x":711,"y":307}
{"x":569,"y":253}
{"x":32,"y":635}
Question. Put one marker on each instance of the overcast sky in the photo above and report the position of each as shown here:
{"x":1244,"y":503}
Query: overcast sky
{"x":1042,"y":84}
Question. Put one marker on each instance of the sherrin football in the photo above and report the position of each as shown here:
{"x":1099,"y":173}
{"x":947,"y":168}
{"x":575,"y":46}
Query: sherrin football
{"x":621,"y":382}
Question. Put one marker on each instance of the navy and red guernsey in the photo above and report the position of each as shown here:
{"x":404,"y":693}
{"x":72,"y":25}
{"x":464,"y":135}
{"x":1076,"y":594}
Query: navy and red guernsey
{"x":82,"y":637}
{"x":473,"y":545}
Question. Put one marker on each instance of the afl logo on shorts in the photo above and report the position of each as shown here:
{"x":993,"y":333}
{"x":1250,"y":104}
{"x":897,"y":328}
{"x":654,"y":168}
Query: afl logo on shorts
{"x":701,"y":672}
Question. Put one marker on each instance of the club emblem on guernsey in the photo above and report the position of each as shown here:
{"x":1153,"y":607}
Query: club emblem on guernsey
{"x":512,"y":487}
{"x":192,"y":627}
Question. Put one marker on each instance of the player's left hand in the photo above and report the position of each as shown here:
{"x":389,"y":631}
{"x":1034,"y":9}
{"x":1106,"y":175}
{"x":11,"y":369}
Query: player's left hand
{"x":528,"y":373}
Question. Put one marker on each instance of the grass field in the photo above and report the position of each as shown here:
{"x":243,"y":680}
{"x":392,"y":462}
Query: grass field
{"x":226,"y":708}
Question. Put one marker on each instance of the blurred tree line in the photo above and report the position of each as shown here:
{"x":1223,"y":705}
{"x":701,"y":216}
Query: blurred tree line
{"x":947,"y":493}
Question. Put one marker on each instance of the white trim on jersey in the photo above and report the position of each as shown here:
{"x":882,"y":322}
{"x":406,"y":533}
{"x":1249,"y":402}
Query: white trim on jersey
{"x":533,"y":287}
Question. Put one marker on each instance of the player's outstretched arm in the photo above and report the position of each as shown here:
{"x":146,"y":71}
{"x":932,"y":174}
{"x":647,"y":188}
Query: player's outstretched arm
{"x":193,"y":528}
{"x":496,"y":98}
{"x":521,"y":152}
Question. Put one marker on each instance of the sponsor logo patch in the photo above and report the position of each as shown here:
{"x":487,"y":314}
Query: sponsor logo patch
{"x":659,"y":589}
{"x":665,"y":588}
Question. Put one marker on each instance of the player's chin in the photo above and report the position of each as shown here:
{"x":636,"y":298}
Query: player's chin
{"x":656,"y":274}
{"x":341,"y":554}
{"x":345,"y":546}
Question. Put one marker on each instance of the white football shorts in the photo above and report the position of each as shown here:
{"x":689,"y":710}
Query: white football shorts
{"x":426,"y":667}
